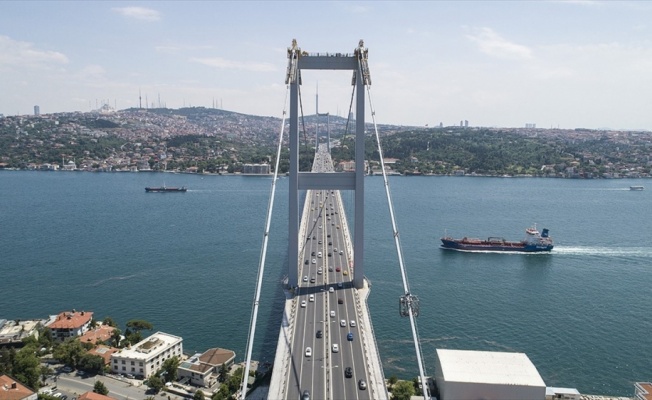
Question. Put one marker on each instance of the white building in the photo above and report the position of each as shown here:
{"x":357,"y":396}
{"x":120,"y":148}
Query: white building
{"x":147,"y":356}
{"x":487,"y":375}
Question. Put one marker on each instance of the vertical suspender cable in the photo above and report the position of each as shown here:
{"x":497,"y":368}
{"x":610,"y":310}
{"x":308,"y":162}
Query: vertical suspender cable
{"x":263,"y":254}
{"x":406,"y":287}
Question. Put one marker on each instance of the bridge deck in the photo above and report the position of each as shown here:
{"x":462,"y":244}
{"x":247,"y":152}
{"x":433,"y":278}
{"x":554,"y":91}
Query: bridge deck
{"x":324,"y":229}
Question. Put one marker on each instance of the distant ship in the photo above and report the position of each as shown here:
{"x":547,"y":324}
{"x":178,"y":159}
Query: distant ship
{"x":533,"y":242}
{"x":636,"y":188}
{"x":165,"y":189}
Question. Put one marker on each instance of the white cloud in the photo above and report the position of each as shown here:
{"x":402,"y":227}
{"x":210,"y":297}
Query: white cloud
{"x":491,"y":43}
{"x":222,"y":63}
{"x":14,"y":53}
{"x":142,"y":13}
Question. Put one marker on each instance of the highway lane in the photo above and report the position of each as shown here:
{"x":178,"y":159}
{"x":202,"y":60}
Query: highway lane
{"x":323,"y":371}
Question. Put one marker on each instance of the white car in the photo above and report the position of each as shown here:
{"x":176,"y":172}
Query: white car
{"x":336,"y":348}
{"x":352,"y":323}
{"x":308,"y":352}
{"x":314,"y":261}
{"x":342,"y":323}
{"x":312,"y":298}
{"x":341,"y":252}
{"x":331,"y":290}
{"x":305,"y":277}
{"x":303,"y":303}
{"x":333,"y":313}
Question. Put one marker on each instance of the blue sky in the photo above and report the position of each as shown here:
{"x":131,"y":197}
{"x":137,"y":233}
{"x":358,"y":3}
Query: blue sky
{"x":566,"y":64}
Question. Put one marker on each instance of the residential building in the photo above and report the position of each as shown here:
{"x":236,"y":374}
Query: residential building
{"x":147,"y":356}
{"x":204,"y":369}
{"x":100,"y":334}
{"x":12,"y":332}
{"x":12,"y":390}
{"x":94,"y":396}
{"x":103,"y":351}
{"x":643,"y":390}
{"x":70,"y":324}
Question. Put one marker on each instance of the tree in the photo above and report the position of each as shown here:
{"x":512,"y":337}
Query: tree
{"x":155,"y":383}
{"x":45,"y":372}
{"x":138,"y":325}
{"x":27,"y":367}
{"x":91,"y":363}
{"x":403,"y":390}
{"x":100,"y":388}
{"x":116,"y":335}
{"x":199,"y":395}
{"x":69,"y":352}
{"x":224,"y":373}
{"x":109,"y":321}
{"x":170,"y":368}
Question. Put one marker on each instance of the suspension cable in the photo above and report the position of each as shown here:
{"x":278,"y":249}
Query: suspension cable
{"x":410,"y":301}
{"x":263,"y":254}
{"x":348,"y":117}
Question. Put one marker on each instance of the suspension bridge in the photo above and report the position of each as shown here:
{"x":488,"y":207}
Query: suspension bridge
{"x":326,"y":347}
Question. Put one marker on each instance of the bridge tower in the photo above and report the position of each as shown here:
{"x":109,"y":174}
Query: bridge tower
{"x":356,"y":62}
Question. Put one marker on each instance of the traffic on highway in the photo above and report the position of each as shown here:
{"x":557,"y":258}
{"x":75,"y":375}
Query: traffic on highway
{"x":327,"y":360}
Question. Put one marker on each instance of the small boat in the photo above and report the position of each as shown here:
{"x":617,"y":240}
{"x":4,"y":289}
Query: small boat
{"x":533,"y":242}
{"x":165,"y":189}
{"x":636,"y":188}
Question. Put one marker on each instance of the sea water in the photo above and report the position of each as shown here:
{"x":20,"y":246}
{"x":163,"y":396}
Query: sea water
{"x":187,"y":262}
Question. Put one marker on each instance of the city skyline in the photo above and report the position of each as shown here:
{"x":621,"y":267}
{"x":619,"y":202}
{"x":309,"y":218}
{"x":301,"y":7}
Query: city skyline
{"x":566,"y":64}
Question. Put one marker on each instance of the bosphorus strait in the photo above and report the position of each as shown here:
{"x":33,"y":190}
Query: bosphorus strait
{"x":187,"y":262}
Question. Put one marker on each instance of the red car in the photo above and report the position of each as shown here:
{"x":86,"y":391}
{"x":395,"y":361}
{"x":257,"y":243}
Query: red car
{"x":338,"y":269}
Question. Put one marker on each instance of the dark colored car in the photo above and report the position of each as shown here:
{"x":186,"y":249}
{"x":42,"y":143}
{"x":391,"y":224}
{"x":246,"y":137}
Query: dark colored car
{"x":349,"y":337}
{"x":307,"y":262}
{"x":320,"y":334}
{"x":340,"y":301}
{"x":348,"y":372}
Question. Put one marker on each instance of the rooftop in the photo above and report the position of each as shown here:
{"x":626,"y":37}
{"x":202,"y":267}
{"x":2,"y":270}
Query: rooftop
{"x":71,"y":320}
{"x":488,"y":367}
{"x":12,"y":390}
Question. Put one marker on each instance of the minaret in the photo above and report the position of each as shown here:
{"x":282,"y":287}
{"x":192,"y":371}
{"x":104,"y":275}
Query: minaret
{"x":140,"y":99}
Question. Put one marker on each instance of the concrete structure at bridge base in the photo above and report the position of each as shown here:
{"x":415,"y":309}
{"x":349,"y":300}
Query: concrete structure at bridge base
{"x":466,"y":374}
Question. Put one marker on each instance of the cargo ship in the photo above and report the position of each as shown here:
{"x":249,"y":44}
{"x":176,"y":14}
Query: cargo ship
{"x":165,"y":189}
{"x":533,"y":242}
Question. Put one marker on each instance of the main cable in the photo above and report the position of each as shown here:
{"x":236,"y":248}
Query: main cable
{"x":406,"y":286}
{"x":263,"y":254}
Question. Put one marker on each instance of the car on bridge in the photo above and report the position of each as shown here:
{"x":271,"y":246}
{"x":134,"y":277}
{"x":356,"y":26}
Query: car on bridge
{"x":362,"y":384}
{"x":303,"y":303}
{"x":319,"y":334}
{"x":348,"y":372}
{"x":342,"y":323}
{"x":306,"y":395}
{"x":349,"y":337}
{"x":336,"y":348}
{"x":308,"y":352}
{"x":305,"y":278}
